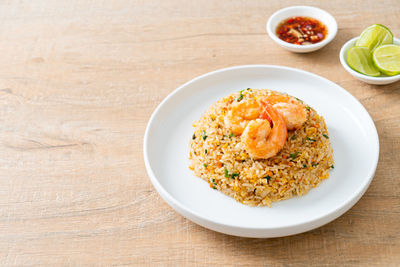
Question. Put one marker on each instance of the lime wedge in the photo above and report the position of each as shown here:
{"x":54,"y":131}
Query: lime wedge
{"x":359,"y":59}
{"x":374,"y":36}
{"x":387,"y":59}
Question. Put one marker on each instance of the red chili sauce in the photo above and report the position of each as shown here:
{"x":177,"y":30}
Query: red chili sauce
{"x":301,"y":30}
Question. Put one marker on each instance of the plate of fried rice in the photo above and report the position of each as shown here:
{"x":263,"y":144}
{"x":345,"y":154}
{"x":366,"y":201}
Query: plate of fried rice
{"x":260,"y":150}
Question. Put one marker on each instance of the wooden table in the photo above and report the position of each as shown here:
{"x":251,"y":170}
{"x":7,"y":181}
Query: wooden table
{"x":79,"y":81}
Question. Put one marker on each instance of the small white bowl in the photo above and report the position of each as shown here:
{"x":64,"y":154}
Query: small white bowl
{"x":306,"y":11}
{"x":368,"y":79}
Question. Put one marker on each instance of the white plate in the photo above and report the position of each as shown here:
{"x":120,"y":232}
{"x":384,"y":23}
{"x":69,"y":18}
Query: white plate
{"x":353,"y":136}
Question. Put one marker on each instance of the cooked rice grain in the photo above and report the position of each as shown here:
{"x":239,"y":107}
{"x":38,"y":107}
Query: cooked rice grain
{"x":218,"y":157}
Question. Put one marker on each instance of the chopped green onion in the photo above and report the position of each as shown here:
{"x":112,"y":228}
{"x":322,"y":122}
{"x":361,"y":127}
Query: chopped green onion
{"x":308,"y":108}
{"x":293,"y":137}
{"x":298,"y":99}
{"x":213,"y":181}
{"x":214,"y":187}
{"x":193,"y":136}
{"x":226,"y":174}
{"x":205,"y":165}
{"x":332,"y":167}
{"x":231,"y":135}
{"x":294,"y":155}
{"x":267,"y":177}
{"x":233,"y":175}
{"x":240,"y":96}
{"x":304,"y":166}
{"x":205,"y":151}
{"x":326,"y":136}
{"x":204,"y":135}
{"x":310,"y":139}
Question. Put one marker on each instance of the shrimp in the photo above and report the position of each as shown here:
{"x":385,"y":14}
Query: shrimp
{"x":292,"y":111}
{"x":240,"y":113}
{"x":265,"y":137}
{"x":294,"y":114}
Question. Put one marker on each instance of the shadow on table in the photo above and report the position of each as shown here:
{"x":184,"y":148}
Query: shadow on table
{"x":343,"y":241}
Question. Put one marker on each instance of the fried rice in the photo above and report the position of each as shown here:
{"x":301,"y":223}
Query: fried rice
{"x":218,"y":157}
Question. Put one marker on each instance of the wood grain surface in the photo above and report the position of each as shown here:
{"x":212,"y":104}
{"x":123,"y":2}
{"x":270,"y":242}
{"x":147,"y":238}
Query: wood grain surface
{"x":78,"y":83}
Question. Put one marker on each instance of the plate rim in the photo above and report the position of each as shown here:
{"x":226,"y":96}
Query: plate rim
{"x":319,"y":221}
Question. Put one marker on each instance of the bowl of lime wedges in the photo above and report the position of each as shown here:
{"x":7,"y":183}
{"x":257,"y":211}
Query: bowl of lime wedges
{"x":373,"y":57}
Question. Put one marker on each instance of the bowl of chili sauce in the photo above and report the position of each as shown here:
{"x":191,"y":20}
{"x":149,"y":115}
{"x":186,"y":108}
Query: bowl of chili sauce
{"x":302,"y":29}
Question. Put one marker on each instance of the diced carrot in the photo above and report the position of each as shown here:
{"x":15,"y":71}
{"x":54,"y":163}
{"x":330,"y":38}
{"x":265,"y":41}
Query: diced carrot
{"x":219,"y":164}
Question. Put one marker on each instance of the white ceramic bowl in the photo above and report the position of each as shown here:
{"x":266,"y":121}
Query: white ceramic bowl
{"x":306,"y":11}
{"x":352,"y":134}
{"x":368,"y":79}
